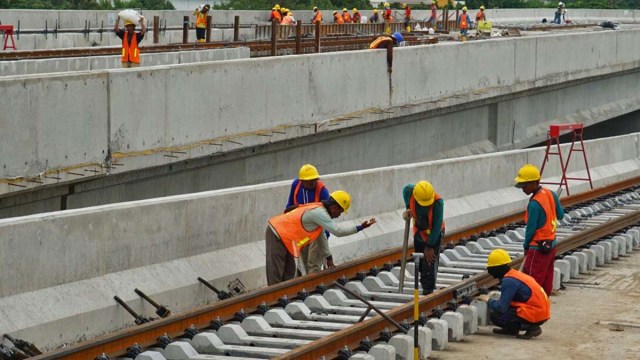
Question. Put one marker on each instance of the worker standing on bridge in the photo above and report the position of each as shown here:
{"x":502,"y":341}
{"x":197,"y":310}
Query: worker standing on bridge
{"x":523,"y":303}
{"x":426,"y":208}
{"x":541,"y":216}
{"x":407,"y":17}
{"x":387,"y":17}
{"x":275,"y":14}
{"x":464,"y":22}
{"x":288,"y":20}
{"x":346,"y":16}
{"x":337,"y":18}
{"x":481,"y":16}
{"x":433,"y":20}
{"x":288,"y":233}
{"x":201,"y":22}
{"x":375,"y":18}
{"x":130,"y":40}
{"x":356,"y":17}
{"x":317,"y":16}
{"x":560,"y":14}
{"x":308,"y":188}
{"x":387,"y":42}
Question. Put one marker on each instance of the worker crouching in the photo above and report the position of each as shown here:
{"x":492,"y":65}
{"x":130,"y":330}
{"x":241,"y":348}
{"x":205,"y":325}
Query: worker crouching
{"x":288,"y":233}
{"x":523,"y":303}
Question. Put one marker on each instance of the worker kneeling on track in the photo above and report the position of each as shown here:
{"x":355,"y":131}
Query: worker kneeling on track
{"x":523,"y":303}
{"x":288,"y":233}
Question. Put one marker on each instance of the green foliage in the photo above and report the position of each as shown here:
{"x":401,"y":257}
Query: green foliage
{"x":87,"y":4}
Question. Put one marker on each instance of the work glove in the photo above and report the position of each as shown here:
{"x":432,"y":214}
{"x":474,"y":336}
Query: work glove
{"x":406,"y":215}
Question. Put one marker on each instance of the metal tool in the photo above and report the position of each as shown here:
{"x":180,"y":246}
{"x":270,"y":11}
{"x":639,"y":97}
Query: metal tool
{"x":405,"y":245}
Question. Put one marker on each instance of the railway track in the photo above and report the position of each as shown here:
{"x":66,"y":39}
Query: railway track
{"x":311,"y":317}
{"x":258,"y":47}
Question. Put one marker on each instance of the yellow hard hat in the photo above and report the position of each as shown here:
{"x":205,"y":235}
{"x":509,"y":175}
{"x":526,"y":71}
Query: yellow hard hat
{"x":344,"y":9}
{"x":404,"y":5}
{"x":482,"y":7}
{"x":423,"y":193}
{"x":335,"y":12}
{"x":375,"y":11}
{"x":315,"y":8}
{"x":127,"y":22}
{"x":277,"y":7}
{"x":386,"y":4}
{"x":289,"y":13}
{"x":527,"y":173}
{"x":464,"y":8}
{"x":308,"y":172}
{"x":498,"y":257}
{"x":355,"y":10}
{"x":274,"y":8}
{"x":343,"y":199}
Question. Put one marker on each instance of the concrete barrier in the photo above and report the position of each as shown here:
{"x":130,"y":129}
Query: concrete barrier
{"x":316,"y":97}
{"x":29,"y":67}
{"x":59,"y":271}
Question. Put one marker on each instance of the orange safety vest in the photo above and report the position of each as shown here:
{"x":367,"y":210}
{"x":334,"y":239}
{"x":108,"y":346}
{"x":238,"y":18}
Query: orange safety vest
{"x":317,"y":17}
{"x":288,"y":227}
{"x":338,"y":19}
{"x":130,"y":52}
{"x":319,"y":187}
{"x":377,"y":42}
{"x":412,"y":207}
{"x":464,"y":21}
{"x":545,"y":198}
{"x":275,"y":14}
{"x":346,"y":17}
{"x":480,"y":16}
{"x":201,"y":20}
{"x":538,"y":307}
{"x":288,"y":20}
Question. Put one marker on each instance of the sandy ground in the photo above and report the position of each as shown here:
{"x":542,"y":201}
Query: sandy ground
{"x":580,"y":322}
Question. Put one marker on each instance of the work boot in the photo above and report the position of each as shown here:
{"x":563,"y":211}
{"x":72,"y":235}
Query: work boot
{"x":531,"y":333}
{"x":502,"y":331}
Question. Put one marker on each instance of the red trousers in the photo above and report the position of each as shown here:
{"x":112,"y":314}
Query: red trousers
{"x":540,"y":267}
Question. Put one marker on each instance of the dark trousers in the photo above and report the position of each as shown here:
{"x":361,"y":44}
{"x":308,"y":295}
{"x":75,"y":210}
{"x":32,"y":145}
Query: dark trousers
{"x":511,"y":322}
{"x":281,"y":266}
{"x":540,"y":267}
{"x":200,"y":33}
{"x":428,"y":272}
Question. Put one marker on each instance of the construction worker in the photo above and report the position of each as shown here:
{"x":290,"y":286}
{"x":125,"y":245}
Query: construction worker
{"x":375,"y":18}
{"x":388,"y":19}
{"x":542,"y":215}
{"x":464,"y":22}
{"x":337,"y":18}
{"x":387,"y":42}
{"x":317,"y":16}
{"x":288,"y":20}
{"x":407,"y":17}
{"x":481,"y":16}
{"x":356,"y":17}
{"x":288,"y":233}
{"x":560,"y":14}
{"x":523,"y":304}
{"x":201,"y":22}
{"x":346,"y":16}
{"x":275,"y":14}
{"x":130,"y":40}
{"x":308,"y":188}
{"x":426,"y":208}
{"x":433,"y":20}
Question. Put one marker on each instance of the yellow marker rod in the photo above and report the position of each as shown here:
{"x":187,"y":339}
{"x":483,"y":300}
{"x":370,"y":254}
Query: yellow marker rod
{"x":416,"y":304}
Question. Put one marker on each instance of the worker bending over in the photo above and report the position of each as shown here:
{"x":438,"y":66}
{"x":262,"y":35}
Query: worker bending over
{"x":308,"y":188}
{"x":387,"y":42}
{"x":288,"y":233}
{"x":523,"y":304}
{"x":426,"y":208}
{"x":542,"y":215}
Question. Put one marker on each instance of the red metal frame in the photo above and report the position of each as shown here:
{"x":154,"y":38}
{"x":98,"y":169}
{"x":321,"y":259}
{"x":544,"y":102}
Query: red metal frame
{"x":553,"y":138}
{"x":8,"y":33}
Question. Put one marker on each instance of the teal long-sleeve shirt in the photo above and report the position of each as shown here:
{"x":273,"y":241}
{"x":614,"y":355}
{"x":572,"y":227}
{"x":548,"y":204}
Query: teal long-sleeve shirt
{"x":537,"y":218}
{"x":423,"y":211}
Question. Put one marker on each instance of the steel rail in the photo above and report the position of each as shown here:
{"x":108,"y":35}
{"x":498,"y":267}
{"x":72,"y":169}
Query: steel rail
{"x":351,"y":337}
{"x":115,"y":344}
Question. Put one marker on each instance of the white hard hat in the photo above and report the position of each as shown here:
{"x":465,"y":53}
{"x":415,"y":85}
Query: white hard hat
{"x":560,"y":3}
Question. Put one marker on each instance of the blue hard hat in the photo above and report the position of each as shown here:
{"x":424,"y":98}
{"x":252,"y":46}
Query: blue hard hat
{"x":398,"y":37}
